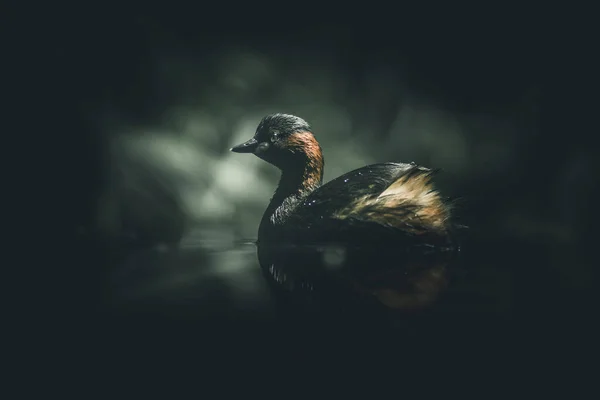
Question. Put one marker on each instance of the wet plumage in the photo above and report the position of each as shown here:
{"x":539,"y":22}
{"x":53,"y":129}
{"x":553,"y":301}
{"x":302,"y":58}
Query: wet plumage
{"x":380,"y":202}
{"x":375,"y":204}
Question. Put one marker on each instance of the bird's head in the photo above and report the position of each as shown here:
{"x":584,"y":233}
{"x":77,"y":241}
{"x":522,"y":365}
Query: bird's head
{"x":285,"y":141}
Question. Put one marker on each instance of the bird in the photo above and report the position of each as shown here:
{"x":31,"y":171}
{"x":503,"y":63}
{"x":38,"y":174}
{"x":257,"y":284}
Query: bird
{"x":376,"y":214}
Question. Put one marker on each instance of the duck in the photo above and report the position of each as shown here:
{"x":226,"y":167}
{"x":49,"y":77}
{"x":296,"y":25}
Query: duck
{"x":390,"y":206}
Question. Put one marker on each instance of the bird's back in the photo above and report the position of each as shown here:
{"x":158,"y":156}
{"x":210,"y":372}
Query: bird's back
{"x":378,"y":203}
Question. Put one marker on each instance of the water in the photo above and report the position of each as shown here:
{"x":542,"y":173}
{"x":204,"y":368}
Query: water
{"x":212,"y":289}
{"x":218,"y":283}
{"x":193,"y":281}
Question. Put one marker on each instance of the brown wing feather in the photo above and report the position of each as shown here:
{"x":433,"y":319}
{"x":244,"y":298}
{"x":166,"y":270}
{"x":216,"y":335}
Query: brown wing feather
{"x":409,"y":202}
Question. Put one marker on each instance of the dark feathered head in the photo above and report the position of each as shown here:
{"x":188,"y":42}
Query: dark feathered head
{"x":285,"y":141}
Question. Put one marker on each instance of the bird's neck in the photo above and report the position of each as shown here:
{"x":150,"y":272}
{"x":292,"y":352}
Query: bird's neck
{"x":296,"y":183}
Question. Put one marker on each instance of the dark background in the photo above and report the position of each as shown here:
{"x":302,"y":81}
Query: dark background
{"x":146,"y":104}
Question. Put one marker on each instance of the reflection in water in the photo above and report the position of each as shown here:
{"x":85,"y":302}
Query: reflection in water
{"x":206,"y":280}
{"x":404,"y":279}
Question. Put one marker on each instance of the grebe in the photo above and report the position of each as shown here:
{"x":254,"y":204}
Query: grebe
{"x":390,"y":205}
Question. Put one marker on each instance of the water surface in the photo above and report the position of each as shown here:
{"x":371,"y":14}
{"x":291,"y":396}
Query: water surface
{"x":215,"y":281}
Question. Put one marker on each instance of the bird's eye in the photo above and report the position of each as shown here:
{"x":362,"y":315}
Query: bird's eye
{"x":274,"y":137}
